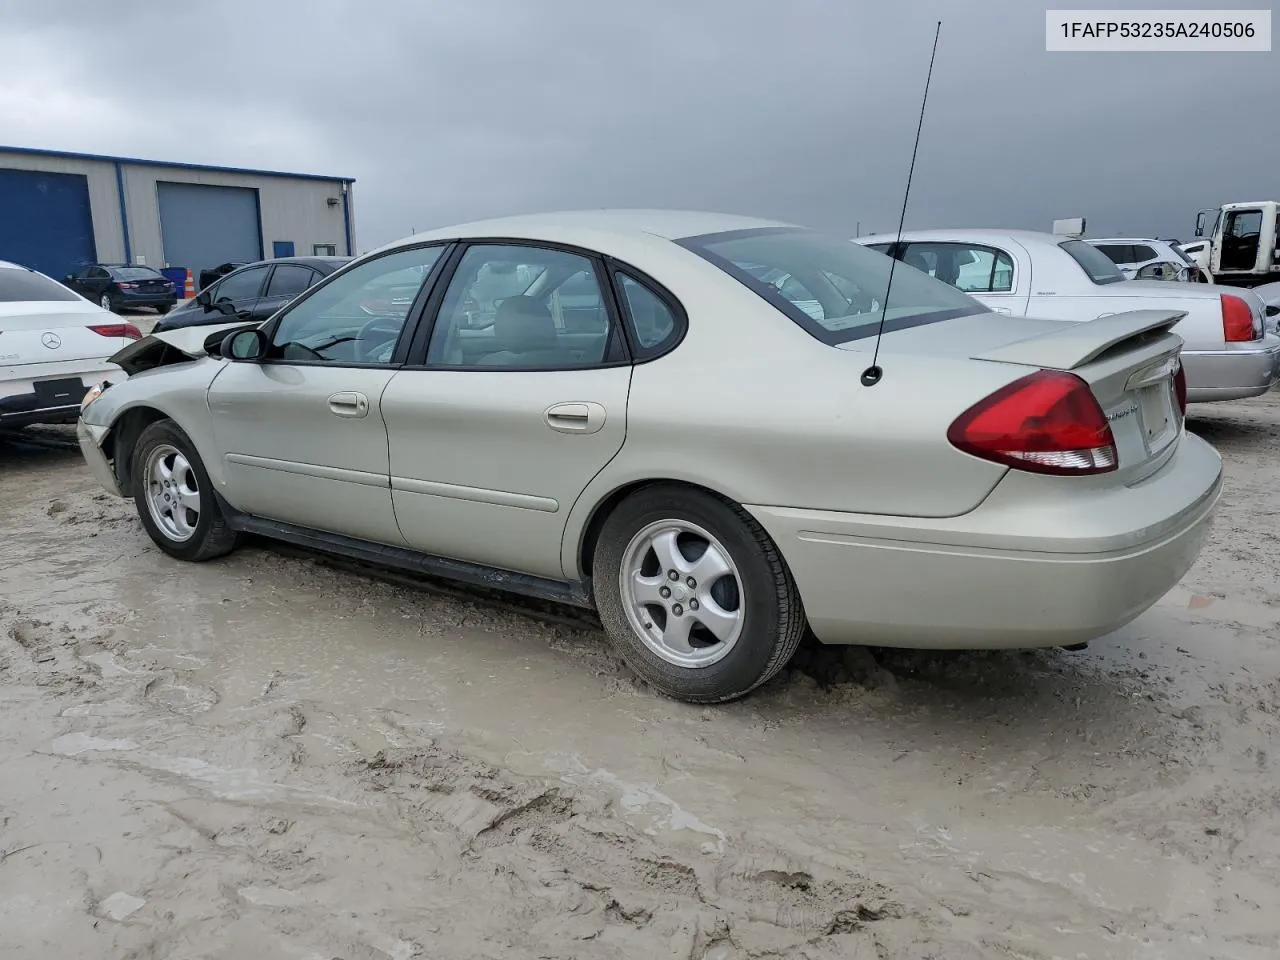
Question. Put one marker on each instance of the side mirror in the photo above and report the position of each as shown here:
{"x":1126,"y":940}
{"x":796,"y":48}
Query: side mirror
{"x":203,"y":298}
{"x":248,"y":345}
{"x":1200,"y":224}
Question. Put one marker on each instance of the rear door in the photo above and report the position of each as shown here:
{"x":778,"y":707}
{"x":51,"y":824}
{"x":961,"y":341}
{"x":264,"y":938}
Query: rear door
{"x":519,"y":401}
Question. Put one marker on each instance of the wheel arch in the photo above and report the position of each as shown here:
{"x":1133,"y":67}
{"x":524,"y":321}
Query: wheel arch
{"x":582,"y":544}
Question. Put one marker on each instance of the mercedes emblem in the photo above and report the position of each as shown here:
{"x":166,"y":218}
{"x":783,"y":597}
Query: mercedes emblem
{"x":51,"y":340}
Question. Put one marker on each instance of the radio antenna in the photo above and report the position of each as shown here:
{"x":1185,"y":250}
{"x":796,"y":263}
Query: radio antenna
{"x":872,"y":375}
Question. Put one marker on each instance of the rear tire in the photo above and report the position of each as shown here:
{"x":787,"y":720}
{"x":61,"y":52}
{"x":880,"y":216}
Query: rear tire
{"x":164,"y":308}
{"x":707,"y":640}
{"x":174,"y":496}
{"x":105,"y":302}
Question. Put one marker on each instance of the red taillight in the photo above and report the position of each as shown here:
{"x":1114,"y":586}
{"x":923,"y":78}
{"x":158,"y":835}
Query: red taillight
{"x":1237,"y":320}
{"x":1180,"y":388}
{"x":1046,"y":422}
{"x":117,"y":330}
{"x":127,"y":286}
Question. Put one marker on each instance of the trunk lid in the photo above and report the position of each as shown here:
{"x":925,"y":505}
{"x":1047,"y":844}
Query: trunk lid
{"x":47,"y":337}
{"x":1127,"y":359}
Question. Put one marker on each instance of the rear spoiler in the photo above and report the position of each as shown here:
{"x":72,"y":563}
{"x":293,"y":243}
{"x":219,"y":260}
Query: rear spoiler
{"x":192,"y":342}
{"x":1075,"y":344}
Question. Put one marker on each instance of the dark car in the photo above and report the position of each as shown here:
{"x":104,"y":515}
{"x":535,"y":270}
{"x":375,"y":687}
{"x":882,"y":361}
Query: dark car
{"x":118,"y":286}
{"x":252,"y":292}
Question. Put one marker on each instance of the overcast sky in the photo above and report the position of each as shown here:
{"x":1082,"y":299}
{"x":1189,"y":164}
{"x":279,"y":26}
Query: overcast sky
{"x":803,"y":110}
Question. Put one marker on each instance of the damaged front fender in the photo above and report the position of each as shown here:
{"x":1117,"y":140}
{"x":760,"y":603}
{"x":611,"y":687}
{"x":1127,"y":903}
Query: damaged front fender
{"x":175,"y":346}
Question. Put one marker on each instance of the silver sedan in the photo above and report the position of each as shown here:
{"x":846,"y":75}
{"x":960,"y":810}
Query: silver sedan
{"x":625,"y":410}
{"x":1228,"y":353}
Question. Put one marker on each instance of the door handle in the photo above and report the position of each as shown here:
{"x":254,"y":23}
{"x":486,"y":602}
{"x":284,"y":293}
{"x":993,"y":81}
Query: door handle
{"x":349,"y":404}
{"x":1001,"y":310}
{"x":575,"y":417}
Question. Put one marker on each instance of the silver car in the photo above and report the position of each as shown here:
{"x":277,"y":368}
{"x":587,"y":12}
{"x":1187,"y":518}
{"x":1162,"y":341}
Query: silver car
{"x":678,"y":444}
{"x":1228,"y":353}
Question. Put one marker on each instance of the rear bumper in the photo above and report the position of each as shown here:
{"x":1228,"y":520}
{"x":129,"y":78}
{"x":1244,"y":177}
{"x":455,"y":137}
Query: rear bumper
{"x":145,"y":299}
{"x":1240,"y":371}
{"x":1036,"y":565}
{"x":19,"y":405}
{"x":90,"y":437}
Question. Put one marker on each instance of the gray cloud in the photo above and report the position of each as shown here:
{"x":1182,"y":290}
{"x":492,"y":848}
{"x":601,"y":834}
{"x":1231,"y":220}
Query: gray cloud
{"x":804,"y":111}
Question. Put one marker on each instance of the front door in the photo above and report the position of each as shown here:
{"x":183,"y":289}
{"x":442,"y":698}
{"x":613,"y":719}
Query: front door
{"x":521,"y":402}
{"x":1241,"y":236}
{"x":301,"y":432}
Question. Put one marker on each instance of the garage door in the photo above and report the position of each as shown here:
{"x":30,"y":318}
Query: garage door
{"x":45,"y":222}
{"x":203,"y":226}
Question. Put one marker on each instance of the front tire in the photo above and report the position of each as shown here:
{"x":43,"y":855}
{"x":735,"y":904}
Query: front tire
{"x":694,"y":594}
{"x":174,"y":496}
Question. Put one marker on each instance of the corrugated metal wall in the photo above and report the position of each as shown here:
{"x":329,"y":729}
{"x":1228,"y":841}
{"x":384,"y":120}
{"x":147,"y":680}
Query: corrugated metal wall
{"x":295,"y":210}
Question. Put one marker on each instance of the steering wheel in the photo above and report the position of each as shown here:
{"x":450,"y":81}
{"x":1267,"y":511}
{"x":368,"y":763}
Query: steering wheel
{"x":377,"y":339}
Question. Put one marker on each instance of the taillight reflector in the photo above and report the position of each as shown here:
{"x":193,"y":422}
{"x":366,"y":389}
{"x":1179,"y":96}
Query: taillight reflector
{"x":1237,"y":320}
{"x":117,"y":330}
{"x":1045,"y":422}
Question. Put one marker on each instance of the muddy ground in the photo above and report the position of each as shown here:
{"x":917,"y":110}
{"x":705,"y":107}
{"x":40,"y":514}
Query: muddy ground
{"x":268,"y":757}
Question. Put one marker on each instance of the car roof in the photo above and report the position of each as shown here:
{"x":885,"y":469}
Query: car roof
{"x":301,"y":260}
{"x":1031,"y":239}
{"x":665,"y":224}
{"x":1127,"y":240}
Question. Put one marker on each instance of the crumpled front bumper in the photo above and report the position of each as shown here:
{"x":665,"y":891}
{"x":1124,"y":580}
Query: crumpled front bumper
{"x":90,"y":438}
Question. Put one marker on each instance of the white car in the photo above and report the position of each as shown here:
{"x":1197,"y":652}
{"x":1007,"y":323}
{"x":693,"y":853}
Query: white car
{"x":54,"y":345}
{"x":1200,"y":251}
{"x":1228,"y":354}
{"x":1147,"y":259}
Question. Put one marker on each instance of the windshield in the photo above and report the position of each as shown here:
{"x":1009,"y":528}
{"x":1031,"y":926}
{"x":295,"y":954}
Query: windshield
{"x":135,"y":273}
{"x":21,"y":286}
{"x":832,"y":287}
{"x":1092,"y":261}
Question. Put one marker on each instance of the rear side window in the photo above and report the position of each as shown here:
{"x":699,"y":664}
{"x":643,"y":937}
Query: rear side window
{"x":1096,"y":265}
{"x":1142,"y":253}
{"x":21,"y":286}
{"x":972,"y":268}
{"x":839,"y":286}
{"x":1117,"y":252}
{"x":652,"y":321}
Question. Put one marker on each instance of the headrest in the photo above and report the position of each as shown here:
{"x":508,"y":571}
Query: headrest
{"x":522,"y":324}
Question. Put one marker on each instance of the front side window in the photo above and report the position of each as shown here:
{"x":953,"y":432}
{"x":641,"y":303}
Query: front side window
{"x":846,"y":281}
{"x":521,"y":306}
{"x":245,"y":285}
{"x":26,"y":286}
{"x":969,"y":267}
{"x":358,"y":316}
{"x":1096,"y":264}
{"x":289,"y":280}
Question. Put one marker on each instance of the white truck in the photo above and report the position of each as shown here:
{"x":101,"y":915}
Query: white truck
{"x":1244,"y":243}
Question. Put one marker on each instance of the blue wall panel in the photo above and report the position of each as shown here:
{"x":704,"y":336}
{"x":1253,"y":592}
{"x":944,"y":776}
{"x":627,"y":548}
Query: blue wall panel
{"x":45,"y":222}
{"x":203,"y":226}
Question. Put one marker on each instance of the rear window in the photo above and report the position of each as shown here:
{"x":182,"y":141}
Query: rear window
{"x":833,"y":288}
{"x":20,"y":286}
{"x":1092,"y":261}
{"x":136,"y":273}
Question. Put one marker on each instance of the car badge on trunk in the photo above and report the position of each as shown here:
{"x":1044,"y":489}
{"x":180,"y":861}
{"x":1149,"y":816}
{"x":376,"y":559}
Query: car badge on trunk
{"x":51,"y":340}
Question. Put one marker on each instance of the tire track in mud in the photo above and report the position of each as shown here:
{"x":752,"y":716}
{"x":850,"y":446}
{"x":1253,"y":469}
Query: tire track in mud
{"x":615,"y":885}
{"x":552,"y":869}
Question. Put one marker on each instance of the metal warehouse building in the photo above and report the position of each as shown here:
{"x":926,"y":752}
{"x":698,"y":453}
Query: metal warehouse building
{"x":60,"y":209}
